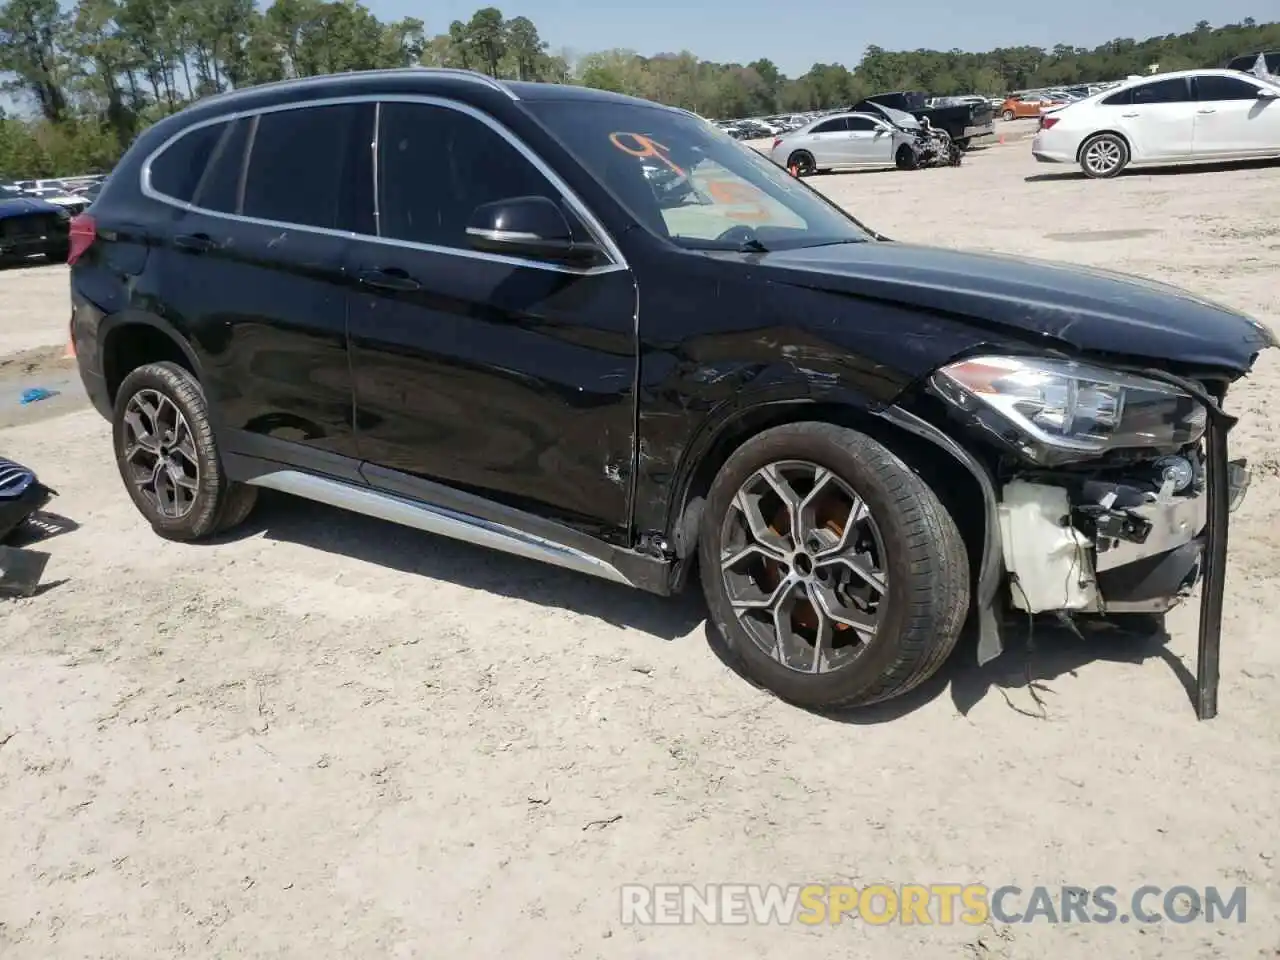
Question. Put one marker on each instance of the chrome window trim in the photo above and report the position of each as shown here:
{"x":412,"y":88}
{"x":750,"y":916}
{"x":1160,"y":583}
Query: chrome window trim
{"x":617,"y":261}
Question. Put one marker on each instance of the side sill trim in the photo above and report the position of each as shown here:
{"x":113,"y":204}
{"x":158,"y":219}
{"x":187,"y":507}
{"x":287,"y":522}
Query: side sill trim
{"x":437,"y":520}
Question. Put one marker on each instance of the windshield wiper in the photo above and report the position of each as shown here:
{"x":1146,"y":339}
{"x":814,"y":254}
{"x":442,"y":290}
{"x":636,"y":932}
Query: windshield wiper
{"x":752,"y":246}
{"x":833,"y":243}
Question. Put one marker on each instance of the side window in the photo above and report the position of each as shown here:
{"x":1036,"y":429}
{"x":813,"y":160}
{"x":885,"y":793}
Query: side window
{"x":297,"y":161}
{"x":861,"y":124}
{"x":1122,"y":99}
{"x":1214,"y":88}
{"x":436,"y":165}
{"x":1162,"y":91}
{"x":832,"y":126}
{"x":219,"y":186}
{"x":176,"y":172}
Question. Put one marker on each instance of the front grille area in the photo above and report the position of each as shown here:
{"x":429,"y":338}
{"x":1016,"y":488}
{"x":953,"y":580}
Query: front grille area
{"x":37,"y":225}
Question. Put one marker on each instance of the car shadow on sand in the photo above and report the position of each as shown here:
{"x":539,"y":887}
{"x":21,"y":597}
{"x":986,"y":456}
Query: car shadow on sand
{"x":1190,"y":169}
{"x":1035,"y":655}
{"x":320,"y":527}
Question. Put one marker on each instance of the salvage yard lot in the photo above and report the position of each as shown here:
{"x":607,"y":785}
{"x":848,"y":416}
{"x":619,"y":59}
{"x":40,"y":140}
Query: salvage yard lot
{"x":332,"y":737}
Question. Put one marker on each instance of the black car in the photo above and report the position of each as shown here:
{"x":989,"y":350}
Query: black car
{"x":29,"y":226}
{"x":468,"y":306}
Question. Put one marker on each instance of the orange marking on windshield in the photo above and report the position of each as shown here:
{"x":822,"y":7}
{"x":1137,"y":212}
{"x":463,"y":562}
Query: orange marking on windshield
{"x":644,"y":148}
{"x":731,"y":193}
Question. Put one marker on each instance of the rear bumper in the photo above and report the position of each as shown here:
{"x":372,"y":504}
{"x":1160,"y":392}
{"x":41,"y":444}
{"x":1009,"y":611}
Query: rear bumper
{"x":85,"y":319}
{"x":979,"y":130}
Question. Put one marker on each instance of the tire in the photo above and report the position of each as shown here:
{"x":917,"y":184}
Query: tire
{"x":905,"y":158}
{"x":210,"y":502}
{"x":914,"y":545}
{"x":962,"y":143}
{"x":803,"y":163}
{"x":1103,"y":156}
{"x":1007,"y":115}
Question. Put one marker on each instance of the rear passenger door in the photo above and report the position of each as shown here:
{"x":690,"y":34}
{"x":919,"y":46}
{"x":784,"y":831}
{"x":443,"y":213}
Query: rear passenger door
{"x":1158,"y":118}
{"x":253,"y":273}
{"x":509,"y":378}
{"x":830,"y":143}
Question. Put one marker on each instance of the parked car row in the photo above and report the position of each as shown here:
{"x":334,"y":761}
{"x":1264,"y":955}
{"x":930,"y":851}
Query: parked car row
{"x":35,"y":215}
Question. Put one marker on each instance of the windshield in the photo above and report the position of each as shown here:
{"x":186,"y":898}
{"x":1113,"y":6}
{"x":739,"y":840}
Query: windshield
{"x":691,"y":183}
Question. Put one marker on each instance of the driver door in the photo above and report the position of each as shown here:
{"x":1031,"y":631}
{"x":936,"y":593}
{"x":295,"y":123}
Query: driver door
{"x":508,"y":378}
{"x":1232,"y":120}
{"x":871,"y":141}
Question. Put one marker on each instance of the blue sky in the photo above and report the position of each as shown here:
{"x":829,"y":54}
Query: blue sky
{"x":795,"y":35}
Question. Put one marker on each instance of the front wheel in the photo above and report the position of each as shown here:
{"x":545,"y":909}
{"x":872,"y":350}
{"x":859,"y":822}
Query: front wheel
{"x":831,"y":569}
{"x":1104,"y":156}
{"x":906,"y":159}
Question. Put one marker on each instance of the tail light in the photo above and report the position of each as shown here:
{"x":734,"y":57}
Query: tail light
{"x":776,"y":141}
{"x":82,"y":233}
{"x":1047,"y":122}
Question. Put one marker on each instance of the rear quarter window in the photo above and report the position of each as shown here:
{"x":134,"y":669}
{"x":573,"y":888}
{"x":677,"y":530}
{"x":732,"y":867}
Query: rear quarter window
{"x":177,"y":169}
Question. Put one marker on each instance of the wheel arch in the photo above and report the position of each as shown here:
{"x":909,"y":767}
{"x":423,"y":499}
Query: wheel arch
{"x":911,"y":437}
{"x":1085,"y":141}
{"x":132,"y":339}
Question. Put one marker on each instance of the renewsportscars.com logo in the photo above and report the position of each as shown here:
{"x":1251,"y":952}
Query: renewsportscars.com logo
{"x":936,"y":904}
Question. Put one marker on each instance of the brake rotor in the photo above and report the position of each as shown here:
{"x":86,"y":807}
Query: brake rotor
{"x":829,"y":514}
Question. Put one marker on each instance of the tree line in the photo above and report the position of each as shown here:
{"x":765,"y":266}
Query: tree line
{"x":96,"y":74}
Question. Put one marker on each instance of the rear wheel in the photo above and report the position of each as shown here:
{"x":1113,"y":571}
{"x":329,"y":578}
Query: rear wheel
{"x":1007,"y":115}
{"x":831,"y":569}
{"x":801,"y":164}
{"x":1104,"y":156}
{"x":168,"y":459}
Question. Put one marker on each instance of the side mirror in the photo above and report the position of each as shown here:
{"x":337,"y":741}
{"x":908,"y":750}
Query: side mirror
{"x":1265,"y":93}
{"x":533,"y":227}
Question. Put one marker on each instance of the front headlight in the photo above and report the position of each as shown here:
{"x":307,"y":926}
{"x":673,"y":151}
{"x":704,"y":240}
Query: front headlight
{"x":1056,"y":411}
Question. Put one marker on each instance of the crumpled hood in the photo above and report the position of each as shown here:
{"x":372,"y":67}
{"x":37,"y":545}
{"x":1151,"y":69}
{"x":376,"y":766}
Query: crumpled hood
{"x":1080,"y":307}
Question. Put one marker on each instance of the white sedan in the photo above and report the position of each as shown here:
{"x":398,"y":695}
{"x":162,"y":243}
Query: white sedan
{"x":1189,"y":116}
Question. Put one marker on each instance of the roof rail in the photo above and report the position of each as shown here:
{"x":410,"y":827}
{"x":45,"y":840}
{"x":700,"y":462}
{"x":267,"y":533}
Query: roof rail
{"x":473,"y":75}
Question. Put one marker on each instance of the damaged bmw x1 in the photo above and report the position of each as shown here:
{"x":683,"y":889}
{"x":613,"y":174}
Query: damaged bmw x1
{"x":594,"y":331}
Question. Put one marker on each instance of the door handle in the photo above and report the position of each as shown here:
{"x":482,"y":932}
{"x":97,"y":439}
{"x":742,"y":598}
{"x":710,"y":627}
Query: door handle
{"x":1128,"y":115}
{"x":388,"y":278}
{"x":195,"y":242}
{"x":1209,"y":110}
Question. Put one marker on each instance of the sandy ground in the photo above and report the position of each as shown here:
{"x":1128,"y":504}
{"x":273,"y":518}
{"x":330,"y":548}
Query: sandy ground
{"x":332,"y":737}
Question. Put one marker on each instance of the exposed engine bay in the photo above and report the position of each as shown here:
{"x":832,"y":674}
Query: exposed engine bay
{"x":1108,"y":542}
{"x":934,"y":147}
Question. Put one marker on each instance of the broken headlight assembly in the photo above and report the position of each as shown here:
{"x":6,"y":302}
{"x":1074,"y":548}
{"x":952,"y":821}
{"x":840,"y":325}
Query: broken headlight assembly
{"x":1060,"y":411}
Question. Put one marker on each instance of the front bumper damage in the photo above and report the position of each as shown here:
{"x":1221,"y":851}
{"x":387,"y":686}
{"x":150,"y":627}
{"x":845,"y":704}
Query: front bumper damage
{"x":1148,"y":565}
{"x":1139,"y":557}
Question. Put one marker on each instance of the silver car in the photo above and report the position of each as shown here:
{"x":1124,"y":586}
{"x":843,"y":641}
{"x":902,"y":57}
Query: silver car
{"x":842,"y":140}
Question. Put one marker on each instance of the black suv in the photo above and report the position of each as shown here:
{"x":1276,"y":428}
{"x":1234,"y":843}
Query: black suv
{"x":597,"y":332}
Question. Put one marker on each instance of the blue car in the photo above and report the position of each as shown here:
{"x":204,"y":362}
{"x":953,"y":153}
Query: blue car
{"x":30,"y":226}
